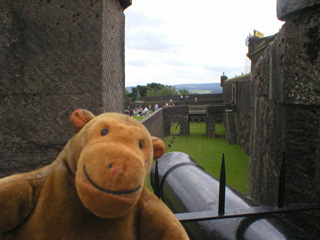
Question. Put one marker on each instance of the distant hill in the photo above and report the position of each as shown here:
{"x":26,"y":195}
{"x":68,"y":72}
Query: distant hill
{"x":196,"y":88}
{"x":200,"y":88}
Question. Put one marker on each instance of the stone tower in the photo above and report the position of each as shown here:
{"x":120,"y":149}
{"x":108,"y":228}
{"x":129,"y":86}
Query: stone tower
{"x":56,"y":56}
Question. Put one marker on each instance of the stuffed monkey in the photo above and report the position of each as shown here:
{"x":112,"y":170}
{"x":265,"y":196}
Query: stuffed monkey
{"x":95,"y":189}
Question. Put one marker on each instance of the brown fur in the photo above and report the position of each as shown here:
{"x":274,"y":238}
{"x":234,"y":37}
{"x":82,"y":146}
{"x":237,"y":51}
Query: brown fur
{"x":95,"y":189}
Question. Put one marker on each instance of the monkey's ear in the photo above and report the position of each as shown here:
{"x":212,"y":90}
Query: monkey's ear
{"x":158,"y":147}
{"x":79,"y":118}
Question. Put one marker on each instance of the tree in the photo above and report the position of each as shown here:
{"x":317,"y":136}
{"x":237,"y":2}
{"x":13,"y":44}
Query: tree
{"x":156,"y":90}
{"x":184,"y":92}
{"x":168,"y":91}
{"x":151,"y":92}
{"x":155,"y":86}
{"x":127,"y":94}
{"x":142,"y":91}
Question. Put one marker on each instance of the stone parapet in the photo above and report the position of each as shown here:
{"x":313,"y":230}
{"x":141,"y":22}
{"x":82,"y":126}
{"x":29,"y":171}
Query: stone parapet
{"x":155,"y":123}
{"x":288,"y":8}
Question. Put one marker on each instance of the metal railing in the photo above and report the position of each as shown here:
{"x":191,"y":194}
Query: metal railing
{"x":206,"y":205}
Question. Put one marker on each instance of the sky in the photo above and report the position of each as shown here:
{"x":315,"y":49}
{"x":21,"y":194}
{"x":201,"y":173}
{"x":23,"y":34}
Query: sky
{"x":192,"y":41}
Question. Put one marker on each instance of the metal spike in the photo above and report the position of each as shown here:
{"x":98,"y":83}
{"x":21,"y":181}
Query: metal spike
{"x":282,"y":185}
{"x":156,"y":180}
{"x":222,"y":188}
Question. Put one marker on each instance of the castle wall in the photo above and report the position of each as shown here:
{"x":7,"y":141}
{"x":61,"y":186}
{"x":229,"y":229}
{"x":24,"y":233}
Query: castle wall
{"x":203,"y":99}
{"x":155,"y":123}
{"x":286,"y":113}
{"x":56,"y":56}
{"x":237,"y":91}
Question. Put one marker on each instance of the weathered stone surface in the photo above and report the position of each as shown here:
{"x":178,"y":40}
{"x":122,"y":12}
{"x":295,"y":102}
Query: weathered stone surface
{"x":288,"y":8}
{"x":210,"y":127}
{"x":256,"y":48}
{"x":215,"y":113}
{"x":302,"y":59}
{"x":286,"y":118}
{"x":237,"y":90}
{"x":285,"y":82}
{"x":55,"y":56}
{"x":155,"y":123}
{"x":230,"y":126}
{"x":176,"y":114}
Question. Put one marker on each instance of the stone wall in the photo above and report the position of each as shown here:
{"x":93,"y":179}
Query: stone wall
{"x":155,"y":123}
{"x":56,"y":56}
{"x":203,"y":99}
{"x":178,"y":114}
{"x":237,"y":90}
{"x":214,"y":115}
{"x":286,"y":113}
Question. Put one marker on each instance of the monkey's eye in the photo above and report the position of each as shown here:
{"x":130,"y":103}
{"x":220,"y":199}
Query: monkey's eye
{"x":104,"y":131}
{"x":140,"y":144}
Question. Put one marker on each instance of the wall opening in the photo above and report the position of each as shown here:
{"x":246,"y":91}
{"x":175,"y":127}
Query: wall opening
{"x":175,"y":128}
{"x":198,"y":128}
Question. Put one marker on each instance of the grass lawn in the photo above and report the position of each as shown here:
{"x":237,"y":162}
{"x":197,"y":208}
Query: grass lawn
{"x":139,"y":118}
{"x":207,"y":152}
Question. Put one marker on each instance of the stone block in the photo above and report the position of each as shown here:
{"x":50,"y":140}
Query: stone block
{"x":176,"y":110}
{"x":56,"y":56}
{"x":288,"y":8}
{"x":216,"y":109}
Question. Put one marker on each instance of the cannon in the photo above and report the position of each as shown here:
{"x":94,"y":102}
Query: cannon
{"x":193,"y":195}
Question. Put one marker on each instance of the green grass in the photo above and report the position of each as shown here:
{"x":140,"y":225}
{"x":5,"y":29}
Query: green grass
{"x":139,"y":118}
{"x":175,"y":129}
{"x":207,"y":152}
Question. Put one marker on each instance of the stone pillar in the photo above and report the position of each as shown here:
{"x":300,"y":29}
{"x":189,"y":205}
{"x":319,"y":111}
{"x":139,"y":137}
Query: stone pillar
{"x":214,"y":114}
{"x":210,"y":127}
{"x":56,"y":56}
{"x":184,"y":125}
{"x":286,"y":113}
{"x":176,"y":114}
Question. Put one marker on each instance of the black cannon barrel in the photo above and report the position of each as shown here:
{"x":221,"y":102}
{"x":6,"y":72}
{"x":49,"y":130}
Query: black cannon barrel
{"x":185,"y":187}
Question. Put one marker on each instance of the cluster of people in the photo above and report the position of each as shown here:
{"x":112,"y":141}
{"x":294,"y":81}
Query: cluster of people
{"x":140,"y":112}
{"x":171,"y":103}
{"x":129,"y":111}
{"x":145,"y":112}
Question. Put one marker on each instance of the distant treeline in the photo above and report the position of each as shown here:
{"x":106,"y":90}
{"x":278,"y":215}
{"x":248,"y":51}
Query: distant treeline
{"x":157,"y":89}
{"x":154,"y":90}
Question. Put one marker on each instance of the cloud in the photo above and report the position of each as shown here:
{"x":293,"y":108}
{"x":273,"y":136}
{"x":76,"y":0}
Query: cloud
{"x":150,"y":41}
{"x":141,"y":19}
{"x":173,"y":42}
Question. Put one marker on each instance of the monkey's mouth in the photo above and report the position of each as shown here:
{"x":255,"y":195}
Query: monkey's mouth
{"x":106,"y":190}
